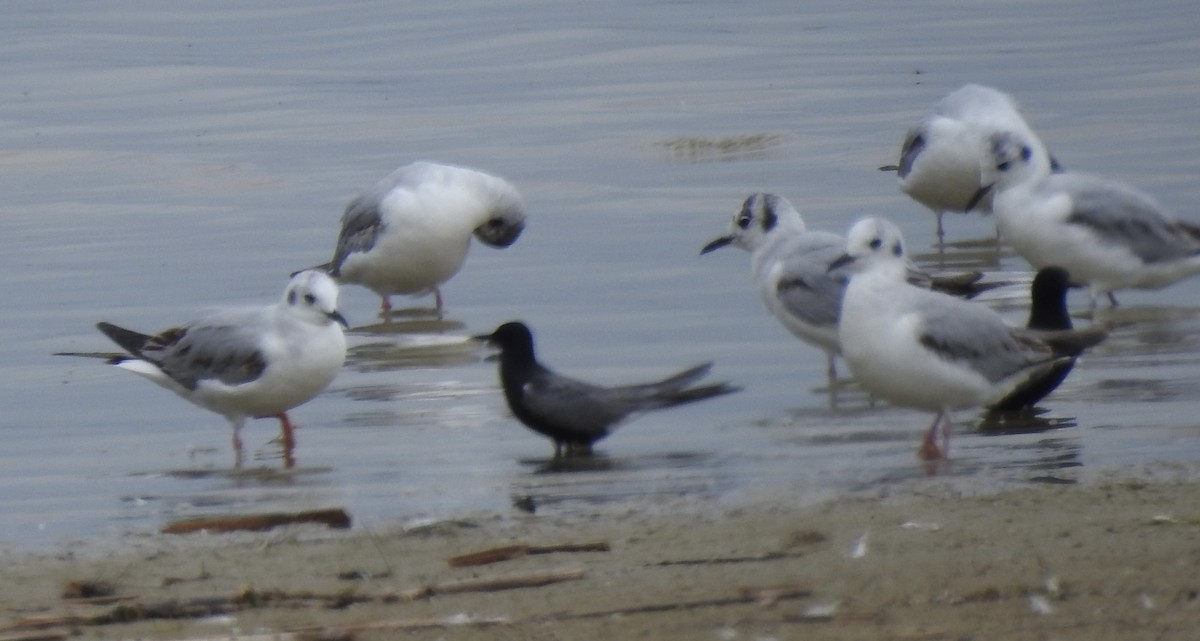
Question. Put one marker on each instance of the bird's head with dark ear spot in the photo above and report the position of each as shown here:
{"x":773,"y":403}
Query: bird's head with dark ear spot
{"x":504,"y":224}
{"x":769,"y":216}
{"x":1008,"y":150}
{"x":875,"y":236}
{"x":314,"y":295}
{"x":745,"y":216}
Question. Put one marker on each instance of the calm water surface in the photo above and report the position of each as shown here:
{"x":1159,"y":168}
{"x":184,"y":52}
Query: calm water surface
{"x":159,"y":160}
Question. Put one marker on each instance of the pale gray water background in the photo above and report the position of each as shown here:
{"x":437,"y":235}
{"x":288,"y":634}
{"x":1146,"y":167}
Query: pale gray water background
{"x":159,"y":158}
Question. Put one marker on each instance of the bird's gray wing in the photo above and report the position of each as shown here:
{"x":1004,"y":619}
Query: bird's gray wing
{"x":806,"y":287}
{"x":1123,"y":216}
{"x":973,"y":336}
{"x":572,"y":405}
{"x":361,"y":224}
{"x":914,"y":144}
{"x":224,"y":346}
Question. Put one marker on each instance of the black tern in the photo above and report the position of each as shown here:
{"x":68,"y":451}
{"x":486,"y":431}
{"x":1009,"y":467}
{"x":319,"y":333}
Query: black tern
{"x":573,"y":413}
{"x":1048,"y":318}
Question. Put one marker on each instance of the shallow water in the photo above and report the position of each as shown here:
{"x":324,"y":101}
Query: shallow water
{"x":158,"y":160}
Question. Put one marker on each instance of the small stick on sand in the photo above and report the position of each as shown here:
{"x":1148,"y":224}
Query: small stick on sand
{"x":334,"y":518}
{"x":509,"y":552}
{"x":493,"y":583}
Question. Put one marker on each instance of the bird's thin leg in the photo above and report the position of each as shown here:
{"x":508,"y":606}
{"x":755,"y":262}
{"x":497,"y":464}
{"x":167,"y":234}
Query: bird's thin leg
{"x":287,"y":435}
{"x":929,"y":448}
{"x":286,"y":430}
{"x":558,"y":449}
{"x":437,"y":300}
{"x":940,"y":230}
{"x":1113,"y":299}
{"x":385,"y":309}
{"x":947,"y":429}
{"x":831,"y":368}
{"x":237,"y":440}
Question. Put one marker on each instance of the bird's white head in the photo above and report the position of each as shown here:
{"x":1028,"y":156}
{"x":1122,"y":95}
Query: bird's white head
{"x":1011,"y":159}
{"x":505,"y":215}
{"x":873,"y":241}
{"x":762,"y":217}
{"x":313,"y":296}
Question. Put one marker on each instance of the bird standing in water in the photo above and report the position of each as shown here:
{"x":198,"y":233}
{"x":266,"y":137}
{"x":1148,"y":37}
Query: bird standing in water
{"x":573,"y":413}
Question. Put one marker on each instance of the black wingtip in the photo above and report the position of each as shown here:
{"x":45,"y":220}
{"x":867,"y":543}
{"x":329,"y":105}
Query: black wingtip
{"x":323,"y":267}
{"x":692,"y":394}
{"x":129,"y":340}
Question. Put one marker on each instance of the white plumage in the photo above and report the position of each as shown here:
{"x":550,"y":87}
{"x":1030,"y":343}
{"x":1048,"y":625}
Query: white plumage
{"x":410,"y":233}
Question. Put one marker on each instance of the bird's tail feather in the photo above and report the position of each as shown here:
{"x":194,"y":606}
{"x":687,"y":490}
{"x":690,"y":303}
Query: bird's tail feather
{"x":692,"y":394}
{"x":674,"y":389}
{"x":682,"y":379}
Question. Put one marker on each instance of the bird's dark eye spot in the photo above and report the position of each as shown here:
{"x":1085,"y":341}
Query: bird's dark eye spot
{"x":743,"y":221}
{"x":310,"y":299}
{"x":1003,"y":166}
{"x":769,"y":220}
{"x":1026,"y":153}
{"x":876,"y":243}
{"x":292,"y":297}
{"x":897,"y":250}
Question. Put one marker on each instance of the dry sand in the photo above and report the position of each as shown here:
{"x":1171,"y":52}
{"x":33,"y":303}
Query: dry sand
{"x":1110,"y":560}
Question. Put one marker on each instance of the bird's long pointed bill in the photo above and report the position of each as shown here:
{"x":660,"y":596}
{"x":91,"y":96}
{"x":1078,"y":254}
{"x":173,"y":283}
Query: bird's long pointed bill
{"x":716,"y":244}
{"x":482,"y":338}
{"x":337,"y":316}
{"x":844,"y":259}
{"x":983,"y":191}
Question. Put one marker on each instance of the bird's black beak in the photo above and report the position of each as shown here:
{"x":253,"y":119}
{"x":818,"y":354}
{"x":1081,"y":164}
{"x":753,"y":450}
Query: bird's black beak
{"x":482,"y":338}
{"x":716,"y":244}
{"x":844,"y":259}
{"x":890,"y":168}
{"x":335,"y":315}
{"x":983,"y":191}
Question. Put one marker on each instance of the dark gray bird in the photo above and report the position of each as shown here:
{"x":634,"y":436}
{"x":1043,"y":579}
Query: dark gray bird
{"x":1048,"y":315}
{"x":573,"y":413}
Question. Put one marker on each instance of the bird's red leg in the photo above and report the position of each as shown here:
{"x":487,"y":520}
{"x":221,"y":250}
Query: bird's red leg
{"x":288,"y":436}
{"x":237,"y":449}
{"x":929,"y":450}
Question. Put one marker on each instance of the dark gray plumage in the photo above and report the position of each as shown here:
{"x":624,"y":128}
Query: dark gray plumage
{"x":573,"y":413}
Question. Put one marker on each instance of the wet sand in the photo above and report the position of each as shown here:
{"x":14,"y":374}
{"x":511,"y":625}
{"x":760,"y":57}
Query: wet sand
{"x":1114,"y":559}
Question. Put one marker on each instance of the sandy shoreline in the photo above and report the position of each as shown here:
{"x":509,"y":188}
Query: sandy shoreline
{"x":1109,"y":560}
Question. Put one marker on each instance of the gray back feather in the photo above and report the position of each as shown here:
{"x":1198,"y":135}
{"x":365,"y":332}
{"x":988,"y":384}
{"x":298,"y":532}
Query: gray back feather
{"x":1123,"y":216}
{"x":806,"y":287}
{"x":222,"y":347}
{"x":361,"y":224}
{"x":973,"y":335}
